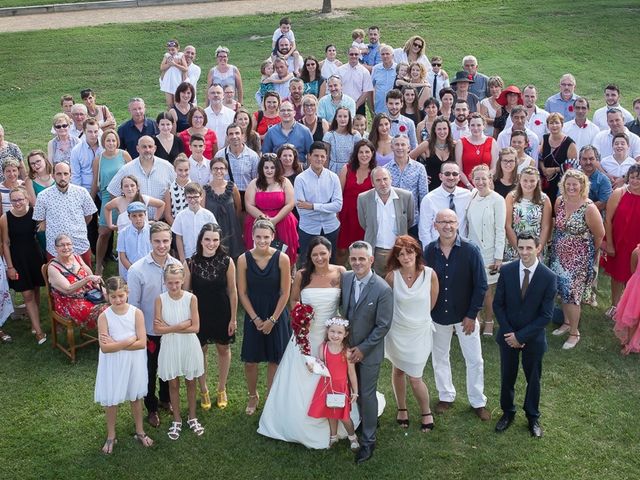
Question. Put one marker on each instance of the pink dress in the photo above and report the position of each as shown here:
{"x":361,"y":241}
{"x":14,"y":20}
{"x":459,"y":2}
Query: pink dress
{"x":627,"y":316}
{"x":339,"y":383}
{"x":270,"y":203}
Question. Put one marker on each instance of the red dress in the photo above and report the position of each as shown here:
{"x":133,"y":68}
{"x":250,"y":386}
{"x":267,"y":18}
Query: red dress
{"x":350,"y":229}
{"x":210,"y":140}
{"x":270,"y":203}
{"x":474,"y":155}
{"x":339,"y":383}
{"x":627,"y":314}
{"x":74,"y":306}
{"x":626,"y":235}
{"x":265,"y":123}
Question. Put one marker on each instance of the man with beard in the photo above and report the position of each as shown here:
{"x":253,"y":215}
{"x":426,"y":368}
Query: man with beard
{"x":612,"y":100}
{"x":65,"y":209}
{"x":460,"y":127}
{"x":193,"y":71}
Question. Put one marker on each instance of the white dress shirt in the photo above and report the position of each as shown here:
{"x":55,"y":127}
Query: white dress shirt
{"x":435,"y":201}
{"x":386,"y":217}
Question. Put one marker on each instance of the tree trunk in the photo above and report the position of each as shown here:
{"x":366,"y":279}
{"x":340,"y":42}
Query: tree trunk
{"x":326,"y":6}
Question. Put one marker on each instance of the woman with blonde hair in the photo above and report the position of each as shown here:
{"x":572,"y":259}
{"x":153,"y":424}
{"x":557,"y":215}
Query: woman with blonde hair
{"x":60,"y":146}
{"x":412,"y":51}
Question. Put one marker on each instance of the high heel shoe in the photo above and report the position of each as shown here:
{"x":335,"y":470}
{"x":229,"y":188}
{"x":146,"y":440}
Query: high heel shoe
{"x":561,"y":330}
{"x":222,"y":400}
{"x":251,"y":409}
{"x":568,"y":345}
{"x":205,"y":400}
{"x":427,"y":427}
{"x":403,"y":422}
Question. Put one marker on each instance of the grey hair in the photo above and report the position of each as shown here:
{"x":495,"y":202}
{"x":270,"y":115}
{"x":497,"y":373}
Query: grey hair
{"x":362,"y":244}
{"x":60,"y":237}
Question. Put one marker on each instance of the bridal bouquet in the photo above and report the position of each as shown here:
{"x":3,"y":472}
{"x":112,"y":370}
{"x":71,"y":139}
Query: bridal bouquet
{"x":301,"y":316}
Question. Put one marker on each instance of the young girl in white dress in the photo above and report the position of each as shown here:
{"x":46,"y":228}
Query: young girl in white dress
{"x":177,"y":320}
{"x":173,"y":71}
{"x":122,"y":363}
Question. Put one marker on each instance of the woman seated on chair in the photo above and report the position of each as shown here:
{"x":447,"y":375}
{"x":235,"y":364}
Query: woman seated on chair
{"x":70,"y":279}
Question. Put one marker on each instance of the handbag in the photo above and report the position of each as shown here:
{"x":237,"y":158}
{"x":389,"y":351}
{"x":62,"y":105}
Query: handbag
{"x":94,"y":295}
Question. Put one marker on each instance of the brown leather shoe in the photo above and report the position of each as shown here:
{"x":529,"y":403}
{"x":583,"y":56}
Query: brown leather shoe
{"x":483,"y":414}
{"x":153,"y":419}
{"x":443,"y":406}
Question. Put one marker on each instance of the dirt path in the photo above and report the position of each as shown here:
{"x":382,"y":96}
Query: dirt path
{"x":178,"y":12}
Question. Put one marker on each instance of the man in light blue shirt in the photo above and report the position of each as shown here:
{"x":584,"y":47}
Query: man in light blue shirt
{"x":288,"y":131}
{"x":84,"y":153}
{"x":562,"y":102}
{"x":383,"y":76}
{"x":328,"y":104}
{"x":146,"y":283}
{"x":373,"y":56}
{"x":318,"y":197}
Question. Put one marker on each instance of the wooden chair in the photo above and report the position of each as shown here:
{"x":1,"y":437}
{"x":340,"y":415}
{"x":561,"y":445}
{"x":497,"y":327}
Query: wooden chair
{"x":65,"y":323}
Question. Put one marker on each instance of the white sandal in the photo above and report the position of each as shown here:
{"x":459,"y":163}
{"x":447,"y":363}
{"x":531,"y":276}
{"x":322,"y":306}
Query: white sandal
{"x":195,"y":426}
{"x":354,"y":444}
{"x":174,"y":430}
{"x":333,"y":439}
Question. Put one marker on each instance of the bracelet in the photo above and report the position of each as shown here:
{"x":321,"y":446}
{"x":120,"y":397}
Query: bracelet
{"x":255,"y":318}
{"x":272,"y":320}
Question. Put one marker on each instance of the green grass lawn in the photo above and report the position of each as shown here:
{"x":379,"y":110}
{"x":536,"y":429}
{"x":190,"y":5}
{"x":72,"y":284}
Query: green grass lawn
{"x":52,"y":429}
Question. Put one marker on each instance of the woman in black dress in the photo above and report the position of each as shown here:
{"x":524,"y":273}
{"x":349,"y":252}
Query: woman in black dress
{"x":23,"y":255}
{"x":558,"y":153}
{"x":434,"y":152}
{"x":211,"y":275}
{"x":264,"y":281}
{"x":222,"y":198}
{"x":168,"y":145}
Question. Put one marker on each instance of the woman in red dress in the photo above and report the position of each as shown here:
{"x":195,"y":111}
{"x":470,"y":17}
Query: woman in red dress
{"x":475,"y":149}
{"x":622,"y":233}
{"x":198,"y":125}
{"x":355,"y":178}
{"x":70,"y":278}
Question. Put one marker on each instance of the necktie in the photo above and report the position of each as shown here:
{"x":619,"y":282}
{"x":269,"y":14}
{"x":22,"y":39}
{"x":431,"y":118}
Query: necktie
{"x":433,"y":87}
{"x":525,"y":283}
{"x":356,"y":290}
{"x":452,"y":205}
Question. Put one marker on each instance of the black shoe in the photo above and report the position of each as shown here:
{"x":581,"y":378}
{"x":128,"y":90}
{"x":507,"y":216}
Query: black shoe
{"x":505,"y":422}
{"x":535,"y":429}
{"x":364,"y":454}
{"x":403,"y":422}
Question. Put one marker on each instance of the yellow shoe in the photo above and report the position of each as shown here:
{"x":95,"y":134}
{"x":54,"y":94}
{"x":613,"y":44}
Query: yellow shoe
{"x":222,"y":399}
{"x":205,"y":400}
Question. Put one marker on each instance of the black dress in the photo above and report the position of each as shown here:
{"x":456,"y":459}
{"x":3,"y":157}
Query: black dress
{"x":224,"y":209}
{"x":263,"y":288}
{"x":176,"y":148}
{"x":432,"y":165}
{"x":26,"y":255}
{"x":209,"y":285}
{"x":182,"y":119}
{"x":555,"y":158}
{"x":503,"y":189}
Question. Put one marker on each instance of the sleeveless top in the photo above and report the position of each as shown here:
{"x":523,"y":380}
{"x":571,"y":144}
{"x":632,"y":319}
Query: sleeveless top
{"x":318,"y":132}
{"x":226,"y":78}
{"x":107,"y":168}
{"x":178,"y":198}
{"x":182,"y":122}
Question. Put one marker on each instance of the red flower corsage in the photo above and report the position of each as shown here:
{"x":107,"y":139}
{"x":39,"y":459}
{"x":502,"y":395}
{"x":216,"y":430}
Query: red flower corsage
{"x":570,"y":108}
{"x":403,"y":128}
{"x":470,"y":77}
{"x":538,"y":122}
{"x":301,"y":317}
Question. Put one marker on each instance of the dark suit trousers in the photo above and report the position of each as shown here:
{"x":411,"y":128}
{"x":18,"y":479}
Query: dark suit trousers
{"x":367,"y":401}
{"x":532,"y":366}
{"x":150,"y":400}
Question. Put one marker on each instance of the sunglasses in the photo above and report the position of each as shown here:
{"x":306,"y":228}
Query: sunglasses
{"x":436,"y":64}
{"x":62,"y":125}
{"x":451,"y":174}
{"x":418,"y":45}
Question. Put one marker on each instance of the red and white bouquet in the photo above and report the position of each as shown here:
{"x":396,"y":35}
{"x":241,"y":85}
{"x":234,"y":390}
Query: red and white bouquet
{"x":301,"y":317}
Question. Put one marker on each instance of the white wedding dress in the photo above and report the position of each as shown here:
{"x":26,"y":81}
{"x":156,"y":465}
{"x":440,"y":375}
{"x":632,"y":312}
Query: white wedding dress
{"x":285,"y":412}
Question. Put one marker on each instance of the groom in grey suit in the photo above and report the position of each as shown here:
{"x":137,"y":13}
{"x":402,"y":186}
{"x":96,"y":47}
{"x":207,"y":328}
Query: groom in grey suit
{"x":367,"y":301}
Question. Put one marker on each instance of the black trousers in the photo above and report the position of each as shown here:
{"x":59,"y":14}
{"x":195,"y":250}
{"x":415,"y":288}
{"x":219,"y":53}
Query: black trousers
{"x":150,"y":400}
{"x":532,"y":367}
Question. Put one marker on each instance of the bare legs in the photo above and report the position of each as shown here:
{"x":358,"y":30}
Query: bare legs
{"x":174,"y":395}
{"x":101,"y":248}
{"x":111,"y":414}
{"x":487,"y":311}
{"x":168,"y":98}
{"x":224,"y":364}
{"x":616,"y":291}
{"x":572,"y":317}
{"x":419,"y":388}
{"x":251,"y":375}
{"x":33,"y":309}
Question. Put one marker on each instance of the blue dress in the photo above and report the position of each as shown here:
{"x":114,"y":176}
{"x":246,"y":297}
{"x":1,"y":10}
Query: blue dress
{"x":263,"y":288}
{"x":107,"y":169}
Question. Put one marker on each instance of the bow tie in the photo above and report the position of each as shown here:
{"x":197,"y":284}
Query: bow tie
{"x":395,"y":121}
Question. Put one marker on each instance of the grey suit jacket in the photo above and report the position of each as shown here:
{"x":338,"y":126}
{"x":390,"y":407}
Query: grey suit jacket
{"x":368,"y":218}
{"x":372,"y":316}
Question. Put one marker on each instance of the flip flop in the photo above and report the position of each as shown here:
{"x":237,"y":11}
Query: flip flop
{"x":107,"y":448}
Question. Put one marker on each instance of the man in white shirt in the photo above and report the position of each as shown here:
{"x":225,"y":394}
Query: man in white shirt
{"x":518,"y":122}
{"x":603,"y":141}
{"x":318,"y":198}
{"x":612,"y":100}
{"x":536,"y":117}
{"x":460,"y":127}
{"x":356,"y":80}
{"x":436,"y":77}
{"x":218,"y":116}
{"x":581,"y":130}
{"x":384,"y":212}
{"x":79,"y":114}
{"x":194,"y":71}
{"x":447,"y":195}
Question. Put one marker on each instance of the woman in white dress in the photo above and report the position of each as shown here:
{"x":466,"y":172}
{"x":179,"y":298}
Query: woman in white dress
{"x":408,"y":343}
{"x":486,"y":216}
{"x":285,"y":411}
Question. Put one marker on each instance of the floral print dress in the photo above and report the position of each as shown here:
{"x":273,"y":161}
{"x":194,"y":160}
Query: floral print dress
{"x":526,"y":217}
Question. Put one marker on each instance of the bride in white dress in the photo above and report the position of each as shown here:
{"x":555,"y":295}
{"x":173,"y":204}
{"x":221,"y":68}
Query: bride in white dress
{"x":285,"y":411}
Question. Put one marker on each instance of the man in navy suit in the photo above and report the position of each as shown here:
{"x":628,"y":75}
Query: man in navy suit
{"x":523,"y":306}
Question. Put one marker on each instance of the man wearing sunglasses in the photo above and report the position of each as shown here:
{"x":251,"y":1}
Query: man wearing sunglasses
{"x":447,"y":195}
{"x":437,"y":77}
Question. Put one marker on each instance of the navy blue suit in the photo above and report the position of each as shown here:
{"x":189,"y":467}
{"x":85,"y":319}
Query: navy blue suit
{"x":526,"y":317}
